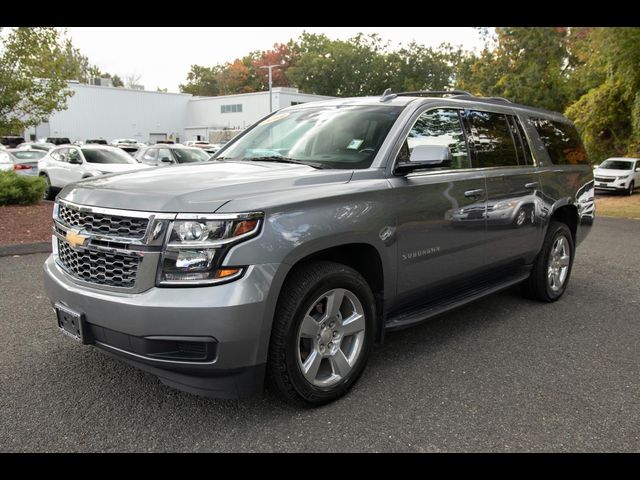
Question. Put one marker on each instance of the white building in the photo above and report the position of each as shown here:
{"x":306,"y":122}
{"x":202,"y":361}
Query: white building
{"x":106,"y":112}
{"x":237,"y":112}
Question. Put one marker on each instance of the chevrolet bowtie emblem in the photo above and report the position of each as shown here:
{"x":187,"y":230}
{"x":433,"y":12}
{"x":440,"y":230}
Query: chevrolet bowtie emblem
{"x":75,"y":240}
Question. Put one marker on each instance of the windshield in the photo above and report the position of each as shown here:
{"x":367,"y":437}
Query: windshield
{"x":189,"y":155}
{"x":334,"y":136}
{"x":616,"y":165}
{"x":94,"y":155}
{"x":29,"y":154}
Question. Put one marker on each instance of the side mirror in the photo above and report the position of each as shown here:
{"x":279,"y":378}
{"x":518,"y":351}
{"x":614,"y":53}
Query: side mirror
{"x":75,"y":161}
{"x":166,"y":160}
{"x":637,"y":169}
{"x":425,"y":156}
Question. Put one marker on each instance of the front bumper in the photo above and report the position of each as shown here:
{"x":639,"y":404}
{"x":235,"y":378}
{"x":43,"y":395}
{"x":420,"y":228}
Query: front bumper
{"x":615,"y":186}
{"x":230,"y":315}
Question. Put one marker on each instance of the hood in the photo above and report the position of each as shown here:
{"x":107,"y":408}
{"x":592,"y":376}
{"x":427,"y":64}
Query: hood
{"x":198,"y":187}
{"x":116,"y":167}
{"x":607,"y":172}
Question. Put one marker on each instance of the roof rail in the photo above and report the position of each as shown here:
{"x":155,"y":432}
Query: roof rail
{"x":425,"y":93}
{"x":501,"y":99}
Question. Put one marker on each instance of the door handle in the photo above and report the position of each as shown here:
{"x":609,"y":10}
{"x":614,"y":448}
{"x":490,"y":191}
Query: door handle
{"x":531,"y":185}
{"x":474,"y":193}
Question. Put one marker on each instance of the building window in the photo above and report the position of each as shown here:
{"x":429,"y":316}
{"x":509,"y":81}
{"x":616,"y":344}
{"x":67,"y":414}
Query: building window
{"x":296,"y":103}
{"x":235,"y":108}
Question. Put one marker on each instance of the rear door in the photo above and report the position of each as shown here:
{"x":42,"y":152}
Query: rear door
{"x":513,"y":186}
{"x":56,"y":167}
{"x":441,"y":229}
{"x":74,"y":171}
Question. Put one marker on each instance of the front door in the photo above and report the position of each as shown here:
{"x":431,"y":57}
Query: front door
{"x":441,"y":225}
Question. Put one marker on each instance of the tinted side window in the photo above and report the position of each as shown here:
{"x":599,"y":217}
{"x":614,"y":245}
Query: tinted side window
{"x":151,"y":154}
{"x":60,"y":155}
{"x":74,"y":155}
{"x":438,"y":127}
{"x":492,"y":139}
{"x":562,"y":142}
{"x":164,"y":153}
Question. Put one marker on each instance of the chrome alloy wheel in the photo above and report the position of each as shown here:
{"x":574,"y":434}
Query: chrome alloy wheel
{"x":331,"y":337}
{"x":558,"y":264}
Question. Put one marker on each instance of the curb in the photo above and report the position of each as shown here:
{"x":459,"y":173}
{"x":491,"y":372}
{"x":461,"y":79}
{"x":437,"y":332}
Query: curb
{"x":25,"y":248}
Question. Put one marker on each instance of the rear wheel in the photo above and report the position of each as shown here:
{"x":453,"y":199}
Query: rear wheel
{"x":48,"y":193}
{"x":322,"y":334}
{"x":552,"y":269}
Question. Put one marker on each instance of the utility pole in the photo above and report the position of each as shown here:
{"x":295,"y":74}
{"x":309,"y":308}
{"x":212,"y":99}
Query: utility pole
{"x":270,"y":67}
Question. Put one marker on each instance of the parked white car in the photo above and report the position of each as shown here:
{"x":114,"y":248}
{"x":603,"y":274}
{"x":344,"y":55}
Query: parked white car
{"x":68,"y":164}
{"x":618,"y":175}
{"x":6,"y":164}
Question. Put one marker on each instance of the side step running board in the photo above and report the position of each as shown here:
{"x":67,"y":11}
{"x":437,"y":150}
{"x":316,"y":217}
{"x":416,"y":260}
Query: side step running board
{"x":411,"y":317}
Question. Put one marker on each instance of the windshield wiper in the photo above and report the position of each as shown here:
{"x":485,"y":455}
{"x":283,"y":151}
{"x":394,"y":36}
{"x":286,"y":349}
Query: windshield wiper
{"x":285,"y":160}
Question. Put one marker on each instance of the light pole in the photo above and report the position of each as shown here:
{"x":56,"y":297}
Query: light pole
{"x":270,"y":67}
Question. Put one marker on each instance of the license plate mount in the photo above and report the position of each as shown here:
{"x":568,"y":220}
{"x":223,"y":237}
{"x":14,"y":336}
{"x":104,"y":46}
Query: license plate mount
{"x":71,"y":323}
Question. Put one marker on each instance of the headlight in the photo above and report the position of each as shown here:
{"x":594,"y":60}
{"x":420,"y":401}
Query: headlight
{"x":624,"y":177}
{"x":197,"y":245}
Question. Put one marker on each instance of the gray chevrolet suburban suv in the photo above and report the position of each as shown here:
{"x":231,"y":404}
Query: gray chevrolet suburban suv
{"x":313,"y":233}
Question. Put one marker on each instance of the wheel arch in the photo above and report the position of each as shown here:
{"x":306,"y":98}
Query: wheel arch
{"x":363,"y":257}
{"x":567,"y":214}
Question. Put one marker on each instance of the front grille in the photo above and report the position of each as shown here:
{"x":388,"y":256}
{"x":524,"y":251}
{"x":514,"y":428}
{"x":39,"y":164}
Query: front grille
{"x":102,"y":268}
{"x":101,"y":224}
{"x":604,"y":180}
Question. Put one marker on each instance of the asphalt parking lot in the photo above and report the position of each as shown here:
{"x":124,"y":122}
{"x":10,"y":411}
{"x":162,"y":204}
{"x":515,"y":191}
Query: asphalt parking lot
{"x":503,"y":374}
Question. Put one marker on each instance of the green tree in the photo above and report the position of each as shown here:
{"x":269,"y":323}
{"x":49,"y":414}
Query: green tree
{"x":343,"y":68}
{"x":77,"y":66}
{"x":33,"y":70}
{"x":529,"y":65}
{"x":117,"y":81}
{"x":608,"y":115}
{"x":202,"y":81}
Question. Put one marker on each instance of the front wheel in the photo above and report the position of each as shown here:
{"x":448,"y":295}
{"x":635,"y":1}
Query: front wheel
{"x":552,"y":269}
{"x":322,"y":334}
{"x":631,"y":187}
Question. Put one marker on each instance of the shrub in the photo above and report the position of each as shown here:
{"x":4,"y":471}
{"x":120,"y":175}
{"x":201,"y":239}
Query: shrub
{"x":20,"y":189}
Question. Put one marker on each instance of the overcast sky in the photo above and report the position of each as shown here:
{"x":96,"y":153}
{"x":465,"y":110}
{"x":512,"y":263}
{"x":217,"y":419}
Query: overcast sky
{"x":162,"y":56}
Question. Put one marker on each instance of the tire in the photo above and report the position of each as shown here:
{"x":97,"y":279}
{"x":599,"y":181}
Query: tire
{"x":291,"y":348}
{"x":630,"y":189}
{"x":541,"y":285}
{"x":48,"y":193}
